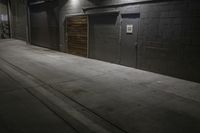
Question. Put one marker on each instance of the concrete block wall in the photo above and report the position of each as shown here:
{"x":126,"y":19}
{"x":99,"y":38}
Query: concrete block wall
{"x":168,"y":41}
{"x":71,"y":7}
{"x":168,"y":35}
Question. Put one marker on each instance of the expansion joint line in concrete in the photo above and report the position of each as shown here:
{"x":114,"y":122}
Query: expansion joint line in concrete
{"x":58,"y":106}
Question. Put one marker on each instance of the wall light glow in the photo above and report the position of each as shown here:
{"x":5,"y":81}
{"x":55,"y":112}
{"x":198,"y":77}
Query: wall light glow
{"x":75,"y":2}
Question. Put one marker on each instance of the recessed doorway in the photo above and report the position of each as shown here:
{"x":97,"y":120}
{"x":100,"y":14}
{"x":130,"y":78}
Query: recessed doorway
{"x":77,"y":35}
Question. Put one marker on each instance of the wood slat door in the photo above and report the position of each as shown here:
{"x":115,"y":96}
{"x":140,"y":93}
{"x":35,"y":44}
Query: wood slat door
{"x":77,"y":35}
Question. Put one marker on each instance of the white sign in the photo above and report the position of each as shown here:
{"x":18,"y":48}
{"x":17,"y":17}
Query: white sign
{"x":129,"y":28}
{"x":4,"y":17}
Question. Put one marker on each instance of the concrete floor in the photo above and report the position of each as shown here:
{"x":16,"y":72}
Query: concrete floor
{"x":47,"y":91}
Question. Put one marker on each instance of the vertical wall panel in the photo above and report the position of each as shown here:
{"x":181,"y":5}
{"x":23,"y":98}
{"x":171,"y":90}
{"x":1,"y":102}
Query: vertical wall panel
{"x":19,"y":19}
{"x":44,"y":25}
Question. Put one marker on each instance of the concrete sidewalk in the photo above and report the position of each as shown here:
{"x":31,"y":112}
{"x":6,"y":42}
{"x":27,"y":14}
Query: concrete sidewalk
{"x":113,"y":97}
{"x":21,"y":112}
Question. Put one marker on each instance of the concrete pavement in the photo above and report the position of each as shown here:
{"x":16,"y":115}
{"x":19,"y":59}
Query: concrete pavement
{"x":21,"y":112}
{"x":113,"y":98}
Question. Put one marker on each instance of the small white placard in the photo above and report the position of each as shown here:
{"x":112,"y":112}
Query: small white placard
{"x":129,"y":28}
{"x":4,"y":17}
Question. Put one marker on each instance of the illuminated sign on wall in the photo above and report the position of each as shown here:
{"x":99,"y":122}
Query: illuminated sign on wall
{"x":4,"y":17}
{"x":129,"y":28}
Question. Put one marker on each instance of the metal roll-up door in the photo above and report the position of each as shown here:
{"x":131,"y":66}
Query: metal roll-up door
{"x":104,"y":37}
{"x":44,"y":26}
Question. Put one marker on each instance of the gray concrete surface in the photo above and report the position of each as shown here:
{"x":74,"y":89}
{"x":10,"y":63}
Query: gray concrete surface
{"x":127,"y":99}
{"x":20,"y":112}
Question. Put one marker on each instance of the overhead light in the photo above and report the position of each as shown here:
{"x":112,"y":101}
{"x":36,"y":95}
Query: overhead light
{"x":75,"y":2}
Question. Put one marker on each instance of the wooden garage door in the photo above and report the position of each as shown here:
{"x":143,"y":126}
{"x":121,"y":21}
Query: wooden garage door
{"x":77,"y":35}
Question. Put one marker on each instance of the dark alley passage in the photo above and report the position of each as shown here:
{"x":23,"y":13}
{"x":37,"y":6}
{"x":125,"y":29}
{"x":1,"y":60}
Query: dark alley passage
{"x":42,"y":90}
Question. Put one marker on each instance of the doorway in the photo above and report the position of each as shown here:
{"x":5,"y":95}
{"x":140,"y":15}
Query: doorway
{"x":129,"y":36}
{"x":44,"y":24}
{"x":77,"y":35}
{"x":104,"y":37}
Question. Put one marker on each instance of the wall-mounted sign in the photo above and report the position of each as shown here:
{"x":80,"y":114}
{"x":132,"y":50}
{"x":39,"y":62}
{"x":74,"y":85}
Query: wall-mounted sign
{"x":4,"y":17}
{"x":129,"y":28}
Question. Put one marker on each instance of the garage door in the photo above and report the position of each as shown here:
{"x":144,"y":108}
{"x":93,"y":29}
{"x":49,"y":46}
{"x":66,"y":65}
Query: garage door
{"x":44,"y":25}
{"x":104,"y":37}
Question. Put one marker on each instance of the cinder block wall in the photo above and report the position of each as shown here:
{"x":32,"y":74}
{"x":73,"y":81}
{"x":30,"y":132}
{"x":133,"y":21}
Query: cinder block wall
{"x":169,"y":33}
{"x":169,"y":39}
{"x":71,"y":7}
